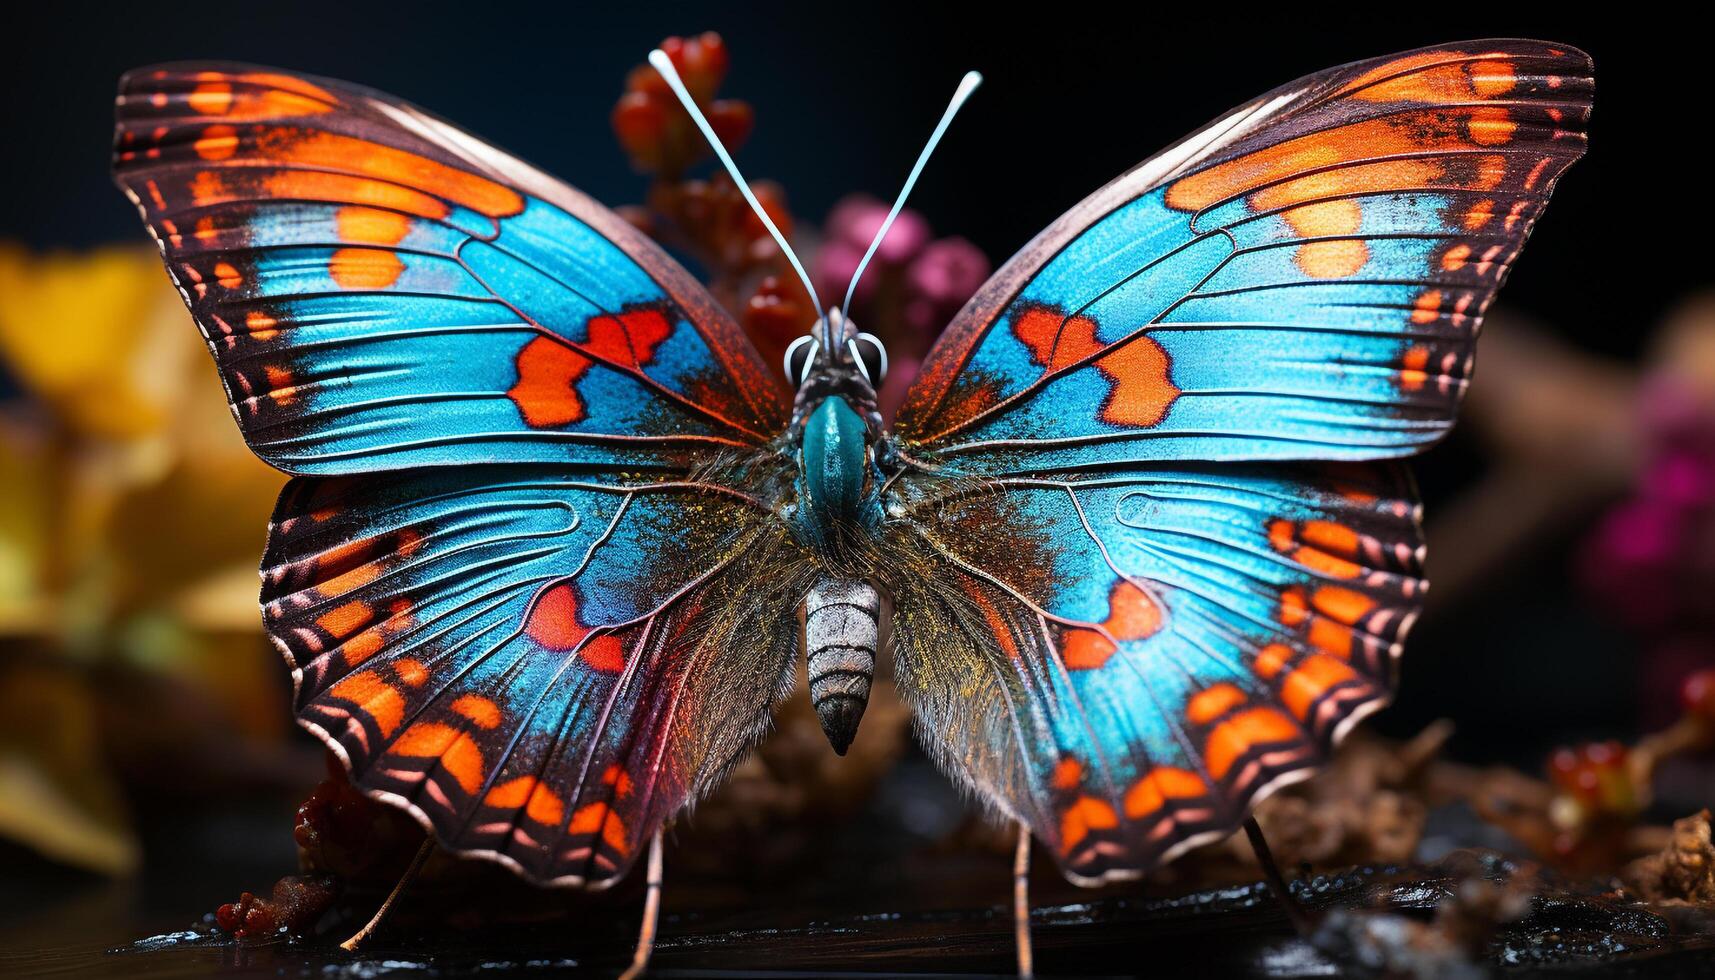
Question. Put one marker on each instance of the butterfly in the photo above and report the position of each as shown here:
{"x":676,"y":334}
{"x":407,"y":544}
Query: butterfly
{"x":1139,"y":532}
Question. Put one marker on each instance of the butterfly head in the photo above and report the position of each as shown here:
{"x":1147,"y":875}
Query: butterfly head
{"x":836,"y":359}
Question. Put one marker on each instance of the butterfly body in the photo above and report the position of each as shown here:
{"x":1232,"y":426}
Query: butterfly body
{"x":1145,"y":549}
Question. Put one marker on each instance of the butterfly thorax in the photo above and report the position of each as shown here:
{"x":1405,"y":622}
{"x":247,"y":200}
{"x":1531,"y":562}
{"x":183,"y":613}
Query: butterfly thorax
{"x":834,"y":435}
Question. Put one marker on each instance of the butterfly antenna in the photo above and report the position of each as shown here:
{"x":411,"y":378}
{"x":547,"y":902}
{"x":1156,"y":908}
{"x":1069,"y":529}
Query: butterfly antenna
{"x":967,"y":85}
{"x":664,"y":65}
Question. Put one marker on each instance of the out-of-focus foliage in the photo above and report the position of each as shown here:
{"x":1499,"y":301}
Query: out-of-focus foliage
{"x":130,"y":526}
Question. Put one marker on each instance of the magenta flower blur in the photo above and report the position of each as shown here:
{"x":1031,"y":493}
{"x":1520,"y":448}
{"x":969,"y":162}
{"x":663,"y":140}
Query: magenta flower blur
{"x":1651,"y":560}
{"x":913,"y":287}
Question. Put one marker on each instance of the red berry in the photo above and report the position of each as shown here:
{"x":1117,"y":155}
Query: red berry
{"x":1697,"y":694}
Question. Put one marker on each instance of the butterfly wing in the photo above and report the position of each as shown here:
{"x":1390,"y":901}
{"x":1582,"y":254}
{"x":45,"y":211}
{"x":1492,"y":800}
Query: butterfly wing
{"x":1177,"y":617}
{"x":1142,"y":653}
{"x":381,"y":290}
{"x":504,"y":600}
{"x":503,"y":651}
{"x":1303,"y":279}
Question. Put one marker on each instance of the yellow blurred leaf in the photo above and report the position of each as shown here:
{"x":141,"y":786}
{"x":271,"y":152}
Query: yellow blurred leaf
{"x":80,"y":332}
{"x":55,"y":795}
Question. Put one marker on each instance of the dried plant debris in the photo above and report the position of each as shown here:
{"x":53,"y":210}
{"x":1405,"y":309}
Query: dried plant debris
{"x":1684,"y":872}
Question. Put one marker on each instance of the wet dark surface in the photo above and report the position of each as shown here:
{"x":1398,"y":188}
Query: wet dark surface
{"x":1367,"y":918}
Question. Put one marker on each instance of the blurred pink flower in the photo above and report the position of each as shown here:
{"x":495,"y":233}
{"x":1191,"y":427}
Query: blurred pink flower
{"x":914,"y":285}
{"x":1651,"y":559}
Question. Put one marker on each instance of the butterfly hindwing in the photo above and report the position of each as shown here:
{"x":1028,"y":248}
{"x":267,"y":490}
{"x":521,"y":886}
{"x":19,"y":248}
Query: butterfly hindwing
{"x":500,"y":649}
{"x":381,"y":290}
{"x":1142,"y":652}
{"x":1302,"y":279}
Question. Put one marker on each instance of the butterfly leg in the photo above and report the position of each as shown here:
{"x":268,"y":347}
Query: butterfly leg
{"x":651,"y":911}
{"x":1276,"y":883}
{"x":411,"y":870}
{"x":1021,"y":904}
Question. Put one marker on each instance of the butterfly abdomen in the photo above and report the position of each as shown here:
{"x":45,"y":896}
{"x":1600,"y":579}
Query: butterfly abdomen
{"x":839,"y":642}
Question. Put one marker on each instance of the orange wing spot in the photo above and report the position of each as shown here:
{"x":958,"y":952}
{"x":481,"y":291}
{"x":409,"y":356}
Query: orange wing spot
{"x":369,"y":226}
{"x":459,"y":754}
{"x":260,"y":95}
{"x":206,"y":187}
{"x":548,"y":374}
{"x":1492,"y":78}
{"x":482,"y":712}
{"x":630,"y":338}
{"x":599,"y":817}
{"x":1275,"y":175}
{"x":1212,"y":702}
{"x":1132,"y":615}
{"x":539,"y":802}
{"x":1492,"y":125}
{"x":1244,"y":731}
{"x":1479,"y":215}
{"x":1325,"y":634}
{"x":1294,"y":608}
{"x":362,"y":646}
{"x":1084,"y":815}
{"x":261,"y":325}
{"x":1082,"y":649}
{"x":378,"y":699}
{"x":1332,"y":259}
{"x":554,"y":622}
{"x":211,"y":98}
{"x":1427,"y":309}
{"x":1068,"y":773}
{"x":216,"y":143}
{"x":1426,"y":77}
{"x":227,"y":275}
{"x":289,"y":83}
{"x":1456,"y":258}
{"x":1342,"y":605}
{"x":1141,"y":389}
{"x":615,"y":776}
{"x":1328,"y":259}
{"x":1271,"y":659}
{"x":313,"y":185}
{"x":1413,"y":376}
{"x":411,"y":672}
{"x":346,"y":154}
{"x":280,"y":386}
{"x":365,"y":268}
{"x":345,"y":620}
{"x":1330,"y":536}
{"x":1317,"y":545}
{"x":348,"y":581}
{"x":605,"y":653}
{"x":1311,"y":680}
{"x":1159,"y":785}
{"x":1491,"y":170}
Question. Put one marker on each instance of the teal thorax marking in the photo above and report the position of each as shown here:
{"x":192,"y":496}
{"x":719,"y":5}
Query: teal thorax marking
{"x":833,"y":470}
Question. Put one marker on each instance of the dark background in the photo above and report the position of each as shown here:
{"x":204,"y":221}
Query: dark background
{"x":844,"y":93}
